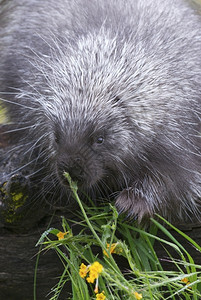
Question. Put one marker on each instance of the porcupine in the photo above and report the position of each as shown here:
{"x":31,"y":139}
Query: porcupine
{"x":109,"y":91}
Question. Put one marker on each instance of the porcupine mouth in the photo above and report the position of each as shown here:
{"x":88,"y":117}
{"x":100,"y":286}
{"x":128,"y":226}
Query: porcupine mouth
{"x":78,"y":179}
{"x":64,"y":181}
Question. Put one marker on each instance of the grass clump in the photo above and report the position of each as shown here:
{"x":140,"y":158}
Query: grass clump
{"x":112,"y":259}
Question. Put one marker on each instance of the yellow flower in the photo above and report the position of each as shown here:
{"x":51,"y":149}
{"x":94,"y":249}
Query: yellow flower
{"x":186,"y":281}
{"x":83,"y":270}
{"x":61,"y":235}
{"x":92,"y":277}
{"x":96,"y":267}
{"x":100,"y":296}
{"x":138,"y":296}
{"x":114,"y":248}
{"x":94,"y":270}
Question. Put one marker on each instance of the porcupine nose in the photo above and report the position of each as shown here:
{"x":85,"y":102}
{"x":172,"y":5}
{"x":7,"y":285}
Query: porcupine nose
{"x":73,"y":167}
{"x":75,"y":170}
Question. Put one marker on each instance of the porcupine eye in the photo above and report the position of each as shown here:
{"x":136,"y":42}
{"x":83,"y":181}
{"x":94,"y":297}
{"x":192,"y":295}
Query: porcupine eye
{"x":96,"y":140}
{"x":99,"y":140}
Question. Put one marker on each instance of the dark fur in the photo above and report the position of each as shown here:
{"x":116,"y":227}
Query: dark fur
{"x":109,"y":91}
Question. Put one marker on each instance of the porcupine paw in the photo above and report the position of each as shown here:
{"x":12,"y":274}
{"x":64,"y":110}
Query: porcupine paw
{"x":134,"y":204}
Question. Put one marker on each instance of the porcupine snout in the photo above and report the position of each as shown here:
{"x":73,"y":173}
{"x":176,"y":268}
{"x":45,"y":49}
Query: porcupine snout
{"x":75,"y":169}
{"x":73,"y":166}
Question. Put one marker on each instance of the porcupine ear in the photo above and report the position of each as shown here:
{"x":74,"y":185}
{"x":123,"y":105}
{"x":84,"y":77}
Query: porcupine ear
{"x":134,"y":203}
